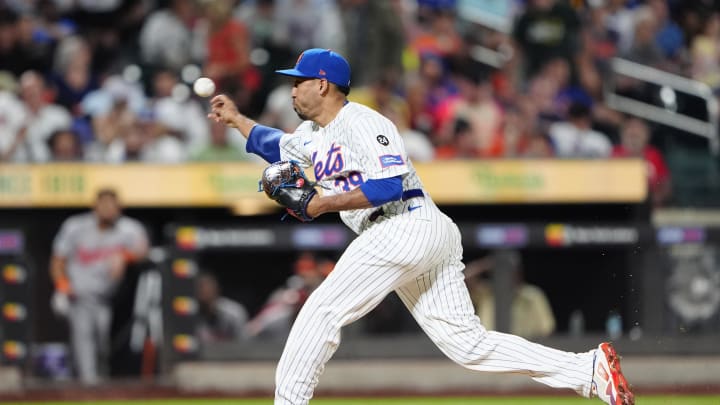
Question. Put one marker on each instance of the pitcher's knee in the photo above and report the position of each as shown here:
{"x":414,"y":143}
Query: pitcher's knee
{"x":323,"y":318}
{"x":466,"y":347}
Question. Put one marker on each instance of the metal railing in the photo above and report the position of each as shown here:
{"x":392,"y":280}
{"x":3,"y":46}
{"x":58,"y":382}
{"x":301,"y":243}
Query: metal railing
{"x":668,"y":83}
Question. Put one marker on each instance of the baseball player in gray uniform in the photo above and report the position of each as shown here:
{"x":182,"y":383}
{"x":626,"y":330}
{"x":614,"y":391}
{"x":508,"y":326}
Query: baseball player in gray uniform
{"x":405,"y":244}
{"x":90,"y":254}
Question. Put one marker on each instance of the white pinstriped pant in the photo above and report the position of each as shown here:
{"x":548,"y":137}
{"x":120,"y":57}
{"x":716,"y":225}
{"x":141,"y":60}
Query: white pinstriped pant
{"x":420,"y":259}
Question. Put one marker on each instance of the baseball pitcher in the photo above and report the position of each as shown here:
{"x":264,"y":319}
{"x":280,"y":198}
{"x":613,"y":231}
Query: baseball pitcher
{"x":404,"y":244}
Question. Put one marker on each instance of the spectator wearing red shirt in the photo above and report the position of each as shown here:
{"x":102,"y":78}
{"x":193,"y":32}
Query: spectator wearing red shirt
{"x":461,"y":145}
{"x":476,"y":105}
{"x":228,"y":59}
{"x":634,"y":142}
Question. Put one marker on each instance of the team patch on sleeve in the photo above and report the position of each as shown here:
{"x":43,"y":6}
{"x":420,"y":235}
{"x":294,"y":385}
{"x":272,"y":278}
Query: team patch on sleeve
{"x":391,"y":160}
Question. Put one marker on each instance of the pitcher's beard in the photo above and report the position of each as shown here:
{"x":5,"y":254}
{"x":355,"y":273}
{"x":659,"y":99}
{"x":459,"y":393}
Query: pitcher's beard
{"x":300,"y":115}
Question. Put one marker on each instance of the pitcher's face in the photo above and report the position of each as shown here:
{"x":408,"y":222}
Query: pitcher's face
{"x":306,"y":95}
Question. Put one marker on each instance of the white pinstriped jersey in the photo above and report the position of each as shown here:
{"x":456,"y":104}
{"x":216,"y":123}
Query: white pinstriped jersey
{"x":358,"y":145}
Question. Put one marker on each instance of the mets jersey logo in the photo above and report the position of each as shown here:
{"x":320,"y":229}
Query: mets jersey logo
{"x":333,"y":163}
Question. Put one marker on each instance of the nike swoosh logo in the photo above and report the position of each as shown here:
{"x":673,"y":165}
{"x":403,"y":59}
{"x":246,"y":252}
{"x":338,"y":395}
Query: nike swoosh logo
{"x":414,"y":207}
{"x":306,"y":143}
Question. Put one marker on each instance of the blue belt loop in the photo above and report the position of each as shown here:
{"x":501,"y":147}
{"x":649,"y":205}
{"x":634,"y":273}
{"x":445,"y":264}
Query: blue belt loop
{"x":412,"y":193}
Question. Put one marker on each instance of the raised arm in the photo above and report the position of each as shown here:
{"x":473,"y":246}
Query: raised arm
{"x":262,"y":141}
{"x":225,"y":111}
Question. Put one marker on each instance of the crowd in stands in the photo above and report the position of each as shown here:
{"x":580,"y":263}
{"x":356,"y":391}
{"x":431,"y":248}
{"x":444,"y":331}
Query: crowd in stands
{"x":109,"y":81}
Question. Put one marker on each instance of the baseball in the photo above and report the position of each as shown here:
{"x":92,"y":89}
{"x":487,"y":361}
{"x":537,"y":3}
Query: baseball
{"x":204,"y":87}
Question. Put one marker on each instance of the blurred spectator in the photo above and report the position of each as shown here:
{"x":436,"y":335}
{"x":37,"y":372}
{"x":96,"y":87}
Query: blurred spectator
{"x":219,"y":149}
{"x":635,"y":142}
{"x":160,"y":143}
{"x":600,"y":43}
{"x":65,"y":146}
{"x":558,"y":72}
{"x":542,"y":97}
{"x":279,"y":111}
{"x":9,"y":47}
{"x":435,"y":85}
{"x":417,"y":145}
{"x":591,"y":66}
{"x":437,"y":33}
{"x":620,"y":22}
{"x":20,"y":48}
{"x":142,"y":140}
{"x":515,"y":133}
{"x":129,"y":148}
{"x":530,"y":314}
{"x":35,"y":46}
{"x":259,"y":17}
{"x":12,"y":125}
{"x":461,"y":145}
{"x":269,"y":49}
{"x":112,"y":117}
{"x":691,"y":15}
{"x":705,"y":53}
{"x":539,"y":146}
{"x":109,"y":145}
{"x":90,"y":255}
{"x":181,"y":114}
{"x":382,"y":94}
{"x":228,"y":59}
{"x":575,"y":137}
{"x":669,"y":36}
{"x":547,"y":29}
{"x":39,"y":120}
{"x":72,"y":75}
{"x":168,"y":40}
{"x":519,"y":137}
{"x":303,"y":24}
{"x":220,"y":318}
{"x":277,"y":315}
{"x":111,"y":28}
{"x":114,"y":89}
{"x":644,"y":48}
{"x":416,"y":92}
{"x":375,"y":40}
{"x":644,"y":51}
{"x":476,"y":106}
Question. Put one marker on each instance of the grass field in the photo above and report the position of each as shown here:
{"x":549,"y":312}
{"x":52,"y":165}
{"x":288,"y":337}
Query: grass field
{"x":650,"y":400}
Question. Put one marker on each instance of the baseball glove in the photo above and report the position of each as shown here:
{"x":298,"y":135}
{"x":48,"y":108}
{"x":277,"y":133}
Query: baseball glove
{"x":286,"y":183}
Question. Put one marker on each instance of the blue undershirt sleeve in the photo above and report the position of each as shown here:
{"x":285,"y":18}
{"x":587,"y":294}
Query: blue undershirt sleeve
{"x":381,"y":191}
{"x":264,"y":142}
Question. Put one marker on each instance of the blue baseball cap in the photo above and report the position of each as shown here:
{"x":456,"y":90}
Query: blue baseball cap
{"x":321,"y":64}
